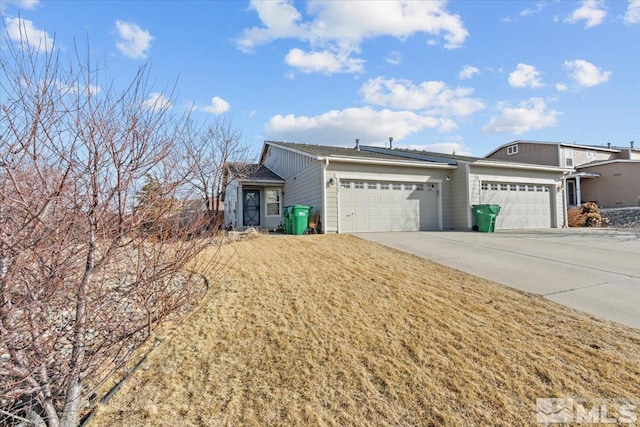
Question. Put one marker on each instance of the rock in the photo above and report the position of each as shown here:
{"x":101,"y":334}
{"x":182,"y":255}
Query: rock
{"x":623,"y":218}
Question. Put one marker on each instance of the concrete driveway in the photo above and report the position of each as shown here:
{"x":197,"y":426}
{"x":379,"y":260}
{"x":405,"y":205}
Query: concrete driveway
{"x":593,"y":270}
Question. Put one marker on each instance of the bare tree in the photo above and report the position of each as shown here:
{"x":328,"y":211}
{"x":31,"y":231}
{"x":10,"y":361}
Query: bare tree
{"x":83,"y":278}
{"x":208,"y":152}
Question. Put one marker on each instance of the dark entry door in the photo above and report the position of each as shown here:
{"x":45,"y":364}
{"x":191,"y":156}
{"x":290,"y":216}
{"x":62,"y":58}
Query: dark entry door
{"x":251,"y":207}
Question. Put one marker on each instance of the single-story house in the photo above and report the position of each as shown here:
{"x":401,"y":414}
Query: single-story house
{"x":607,"y":175}
{"x":363,"y":188}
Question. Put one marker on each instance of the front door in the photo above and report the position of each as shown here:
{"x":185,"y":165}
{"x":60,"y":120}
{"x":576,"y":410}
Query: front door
{"x":251,"y":208}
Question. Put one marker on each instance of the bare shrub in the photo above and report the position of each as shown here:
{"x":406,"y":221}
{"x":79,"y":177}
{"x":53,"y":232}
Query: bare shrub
{"x":87,"y":271}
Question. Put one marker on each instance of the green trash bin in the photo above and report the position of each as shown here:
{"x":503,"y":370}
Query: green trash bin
{"x":486,"y":217}
{"x":299,"y":219}
{"x":287,"y":219}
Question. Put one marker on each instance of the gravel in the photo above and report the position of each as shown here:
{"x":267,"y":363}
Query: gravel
{"x":627,"y":219}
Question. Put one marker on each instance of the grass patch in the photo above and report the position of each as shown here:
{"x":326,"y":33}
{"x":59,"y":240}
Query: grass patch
{"x":332,"y":330}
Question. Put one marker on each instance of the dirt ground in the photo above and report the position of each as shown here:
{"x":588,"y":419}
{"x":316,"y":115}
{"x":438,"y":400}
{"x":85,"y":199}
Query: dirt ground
{"x":331,"y":330}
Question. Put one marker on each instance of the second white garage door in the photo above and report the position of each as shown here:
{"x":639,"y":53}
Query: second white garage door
{"x":522,"y":205}
{"x":367,"y":206}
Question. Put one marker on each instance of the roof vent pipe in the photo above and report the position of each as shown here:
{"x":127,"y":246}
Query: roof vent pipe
{"x":608,"y":145}
{"x":391,"y":143}
{"x":631,"y":144}
{"x":357,"y":144}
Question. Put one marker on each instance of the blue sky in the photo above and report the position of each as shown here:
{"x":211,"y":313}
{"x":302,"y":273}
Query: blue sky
{"x":463,"y":76}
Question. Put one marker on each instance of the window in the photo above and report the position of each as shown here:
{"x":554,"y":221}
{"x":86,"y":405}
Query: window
{"x":546,"y":189}
{"x":568,"y":157}
{"x":273,"y":202}
{"x":372,"y":185}
{"x":513,"y":187}
{"x":358,"y":185}
{"x":345,"y":184}
{"x":539,"y":188}
{"x":532,"y":188}
{"x":522,"y":187}
{"x":384,"y":186}
{"x":419,"y":187}
{"x":494,"y":187}
{"x":397,"y":187}
{"x":512,"y":149}
{"x":408,"y":187}
{"x":503,"y":187}
{"x":485,"y":186}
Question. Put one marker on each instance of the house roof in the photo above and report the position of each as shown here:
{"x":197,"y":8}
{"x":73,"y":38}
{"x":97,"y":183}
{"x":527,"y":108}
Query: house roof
{"x":318,"y":151}
{"x":452,"y":159}
{"x":419,"y":158}
{"x":254,"y":172}
{"x":563,"y":144}
{"x":423,"y":155}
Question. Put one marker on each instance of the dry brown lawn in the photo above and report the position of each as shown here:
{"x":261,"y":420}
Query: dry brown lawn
{"x":336,"y":331}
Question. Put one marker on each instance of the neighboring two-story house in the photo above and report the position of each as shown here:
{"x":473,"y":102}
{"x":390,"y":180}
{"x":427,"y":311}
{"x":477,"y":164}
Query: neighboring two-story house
{"x":609,"y":176}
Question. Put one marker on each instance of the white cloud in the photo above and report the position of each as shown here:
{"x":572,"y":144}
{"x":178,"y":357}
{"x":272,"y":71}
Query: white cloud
{"x":71,"y":89}
{"x":218,"y":106}
{"x":468,"y":72}
{"x":157,"y":102}
{"x":525,"y":75}
{"x":539,"y":6}
{"x":394,"y":58}
{"x":561,"y":87}
{"x":134,"y":42}
{"x":526,"y":116}
{"x":585,"y":73}
{"x":632,"y":15}
{"x":591,"y":11}
{"x":433,"y":97}
{"x":340,"y":27}
{"x":24,"y":32}
{"x":340,"y":127}
{"x":323,"y":62}
{"x":21,"y":4}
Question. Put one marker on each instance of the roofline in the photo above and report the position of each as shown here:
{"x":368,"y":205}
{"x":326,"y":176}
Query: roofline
{"x":583,"y":175}
{"x":512,"y":165}
{"x":276,"y":143}
{"x":564,"y":144}
{"x":605,"y":162}
{"x":261,"y":181}
{"x":418,"y":164}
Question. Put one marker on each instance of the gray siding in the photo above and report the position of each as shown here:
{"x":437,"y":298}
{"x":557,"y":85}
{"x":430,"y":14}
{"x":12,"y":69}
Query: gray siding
{"x":285,"y":162}
{"x":538,"y":154}
{"x":459,"y":211}
{"x":305,"y":188}
{"x":230,"y":204}
{"x":617,"y":186}
{"x":580,"y":156}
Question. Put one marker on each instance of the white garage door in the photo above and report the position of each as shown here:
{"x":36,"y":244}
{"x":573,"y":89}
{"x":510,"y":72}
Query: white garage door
{"x":522,"y":205}
{"x":387,"y":206}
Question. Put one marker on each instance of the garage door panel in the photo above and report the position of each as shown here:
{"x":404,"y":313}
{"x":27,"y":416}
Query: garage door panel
{"x":380,"y":207}
{"x":527,"y":207}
